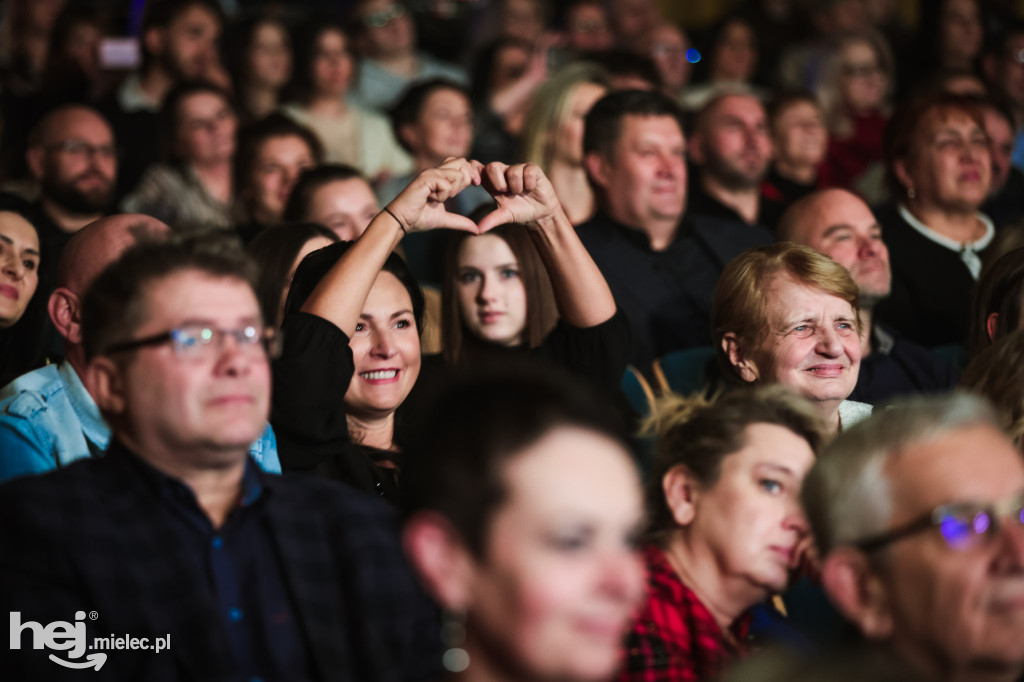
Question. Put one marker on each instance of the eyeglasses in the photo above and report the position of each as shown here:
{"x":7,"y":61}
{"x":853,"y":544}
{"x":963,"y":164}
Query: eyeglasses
{"x":860,"y":70}
{"x":963,"y":524}
{"x":84,"y":149}
{"x":198,"y":342}
{"x":383,"y":17}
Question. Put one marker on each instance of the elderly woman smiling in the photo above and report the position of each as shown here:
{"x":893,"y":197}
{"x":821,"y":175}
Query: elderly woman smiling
{"x":786,"y":314}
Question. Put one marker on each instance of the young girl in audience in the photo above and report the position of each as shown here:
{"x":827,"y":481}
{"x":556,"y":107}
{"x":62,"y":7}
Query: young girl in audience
{"x":524,"y":507}
{"x":335,"y":196}
{"x":194,"y":186}
{"x":259,"y":57}
{"x":553,"y":134}
{"x":324,"y":66}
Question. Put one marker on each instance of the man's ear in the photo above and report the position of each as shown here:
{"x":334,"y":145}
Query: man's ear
{"x":991,"y":324}
{"x":695,"y":149}
{"x":744,"y":365}
{"x":35,"y":157}
{"x":65,"y":313}
{"x":153,"y":39}
{"x":858,"y":592}
{"x":408,"y":134}
{"x":597,"y":168}
{"x":104,"y":382}
{"x":441,"y":559}
{"x":681,"y":490}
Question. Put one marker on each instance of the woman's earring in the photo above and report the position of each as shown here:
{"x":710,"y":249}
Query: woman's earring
{"x":453,"y":635}
{"x":911,"y":193}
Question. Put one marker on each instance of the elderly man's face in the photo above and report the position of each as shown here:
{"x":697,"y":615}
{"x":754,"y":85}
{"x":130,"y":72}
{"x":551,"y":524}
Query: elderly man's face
{"x":957,"y":609}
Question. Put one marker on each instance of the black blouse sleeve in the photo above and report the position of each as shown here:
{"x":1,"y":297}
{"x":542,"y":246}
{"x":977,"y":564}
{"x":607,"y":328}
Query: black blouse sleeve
{"x":310,"y":380}
{"x":599,"y":353}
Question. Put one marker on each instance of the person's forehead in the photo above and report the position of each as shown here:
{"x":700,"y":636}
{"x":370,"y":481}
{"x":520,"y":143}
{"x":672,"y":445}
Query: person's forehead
{"x":196,"y":15}
{"x":282,"y":144}
{"x":445,"y":96}
{"x":637,"y":126}
{"x":838,"y":209}
{"x":200,"y":103}
{"x":996,"y":125}
{"x":192,"y":294}
{"x":78,"y":124}
{"x":946,"y":118}
{"x":788,"y":292}
{"x":746,"y":107}
{"x":18,"y":229}
{"x":971,"y":463}
{"x":348,"y":190}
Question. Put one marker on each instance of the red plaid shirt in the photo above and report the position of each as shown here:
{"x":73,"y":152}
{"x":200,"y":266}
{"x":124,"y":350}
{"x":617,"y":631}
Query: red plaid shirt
{"x":675,"y":638}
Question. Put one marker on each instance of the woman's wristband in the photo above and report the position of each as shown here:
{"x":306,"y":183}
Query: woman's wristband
{"x":400,"y":225}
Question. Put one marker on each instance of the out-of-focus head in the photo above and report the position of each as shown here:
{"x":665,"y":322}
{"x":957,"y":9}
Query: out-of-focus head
{"x":546,"y":575}
{"x":997,"y":374}
{"x":554,"y":124}
{"x":495,"y":292}
{"x":634,"y":150}
{"x":786,"y":314}
{"x":961,"y":32}
{"x":433,"y":120}
{"x":916,"y":513}
{"x":324,"y":64}
{"x":1004,"y":64}
{"x":272,"y":154}
{"x":797,"y":128}
{"x":277,"y":251}
{"x":383,"y":29}
{"x":733,"y":53}
{"x":727,"y":477}
{"x":335,"y":196}
{"x":838,"y":224}
{"x":385,"y":344}
{"x":631,"y":19}
{"x":198,"y":123}
{"x":936,"y":146}
{"x":960,"y":82}
{"x":259,"y":53}
{"x":998,"y":308}
{"x":180,"y":37}
{"x":587,"y":26}
{"x":730,"y":141}
{"x":176,"y":350}
{"x":833,"y":17}
{"x":20,"y":255}
{"x":1000,"y":128}
{"x":628,"y":70}
{"x":667,"y":45}
{"x":74,"y":44}
{"x":71,"y":154}
{"x":857,"y":77}
{"x":499,"y":63}
{"x":522,"y":19}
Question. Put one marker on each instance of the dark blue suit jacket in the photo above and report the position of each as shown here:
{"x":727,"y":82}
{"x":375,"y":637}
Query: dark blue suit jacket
{"x":91,"y":538}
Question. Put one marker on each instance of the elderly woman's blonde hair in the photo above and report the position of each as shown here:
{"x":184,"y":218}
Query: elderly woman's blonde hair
{"x":741,"y":298}
{"x":550,"y":107}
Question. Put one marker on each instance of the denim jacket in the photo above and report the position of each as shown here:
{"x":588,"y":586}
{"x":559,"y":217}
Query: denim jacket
{"x":48,"y":420}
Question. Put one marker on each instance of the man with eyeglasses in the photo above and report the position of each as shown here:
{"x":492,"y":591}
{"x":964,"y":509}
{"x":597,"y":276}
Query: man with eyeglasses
{"x":48,"y":417}
{"x":917,"y":515}
{"x":385,"y":37}
{"x":71,"y":155}
{"x":175,"y":532}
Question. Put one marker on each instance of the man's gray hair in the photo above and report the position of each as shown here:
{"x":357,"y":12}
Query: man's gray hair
{"x":847,"y":495}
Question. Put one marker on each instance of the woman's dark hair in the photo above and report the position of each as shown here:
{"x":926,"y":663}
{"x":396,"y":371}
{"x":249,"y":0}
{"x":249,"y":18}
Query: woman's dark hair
{"x":483,"y":67}
{"x":480,"y":420}
{"x":170,"y":114}
{"x":274,"y":250}
{"x":301,"y":87}
{"x":315,"y":266}
{"x":21,"y":344}
{"x":541,"y":311}
{"x":1000,"y":290}
{"x":406,"y":110}
{"x":252,"y":137}
{"x":311,"y":181}
{"x":699,"y":435}
{"x":61,"y":76}
{"x":906,"y":121}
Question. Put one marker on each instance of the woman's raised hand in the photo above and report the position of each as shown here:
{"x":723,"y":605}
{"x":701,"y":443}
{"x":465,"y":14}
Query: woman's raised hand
{"x":523,"y":193}
{"x":421,"y":207}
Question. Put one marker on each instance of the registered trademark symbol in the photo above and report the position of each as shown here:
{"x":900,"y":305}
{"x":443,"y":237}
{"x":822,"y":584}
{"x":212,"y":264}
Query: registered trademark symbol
{"x":93,"y":615}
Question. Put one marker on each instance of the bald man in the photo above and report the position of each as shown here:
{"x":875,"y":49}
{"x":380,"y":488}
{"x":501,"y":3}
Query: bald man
{"x":48,"y":418}
{"x":841,"y":226}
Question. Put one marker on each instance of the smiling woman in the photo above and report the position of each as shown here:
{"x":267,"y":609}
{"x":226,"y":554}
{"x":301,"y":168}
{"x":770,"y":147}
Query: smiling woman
{"x":22,"y":300}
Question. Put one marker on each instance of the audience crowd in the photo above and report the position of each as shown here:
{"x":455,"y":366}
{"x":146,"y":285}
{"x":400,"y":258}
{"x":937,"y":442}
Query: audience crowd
{"x":381,"y":340}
